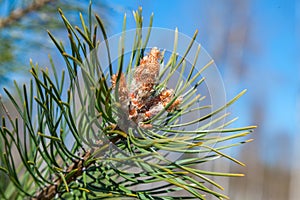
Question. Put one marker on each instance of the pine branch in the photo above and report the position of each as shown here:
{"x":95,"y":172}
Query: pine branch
{"x":114,"y":127}
{"x":79,"y":166}
{"x":50,"y":191}
{"x":19,"y":13}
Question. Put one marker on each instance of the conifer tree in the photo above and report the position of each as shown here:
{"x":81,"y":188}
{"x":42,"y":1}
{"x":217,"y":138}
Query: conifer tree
{"x":121,"y":130}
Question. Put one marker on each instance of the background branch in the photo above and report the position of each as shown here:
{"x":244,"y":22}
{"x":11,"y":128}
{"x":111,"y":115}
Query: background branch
{"x":19,"y":13}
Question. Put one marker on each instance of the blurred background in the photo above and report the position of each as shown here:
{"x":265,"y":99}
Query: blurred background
{"x":254,"y":44}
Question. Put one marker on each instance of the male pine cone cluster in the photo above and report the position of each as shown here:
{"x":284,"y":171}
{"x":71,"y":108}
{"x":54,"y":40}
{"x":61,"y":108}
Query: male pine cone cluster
{"x":140,"y":100}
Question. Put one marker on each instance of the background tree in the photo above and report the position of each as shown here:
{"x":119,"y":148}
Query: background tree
{"x":23,"y":24}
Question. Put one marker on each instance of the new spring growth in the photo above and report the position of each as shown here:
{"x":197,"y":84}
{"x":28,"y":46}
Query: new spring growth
{"x":140,"y":100}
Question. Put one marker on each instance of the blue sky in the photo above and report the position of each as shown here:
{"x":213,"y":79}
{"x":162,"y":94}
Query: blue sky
{"x":266,"y":55}
{"x":269,"y":55}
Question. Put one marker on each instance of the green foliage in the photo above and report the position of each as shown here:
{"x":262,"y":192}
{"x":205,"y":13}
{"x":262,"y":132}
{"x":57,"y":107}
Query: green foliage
{"x":63,"y":118}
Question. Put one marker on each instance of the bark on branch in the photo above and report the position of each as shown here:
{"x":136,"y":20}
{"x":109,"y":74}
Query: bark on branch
{"x":19,"y":13}
{"x":50,"y":191}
